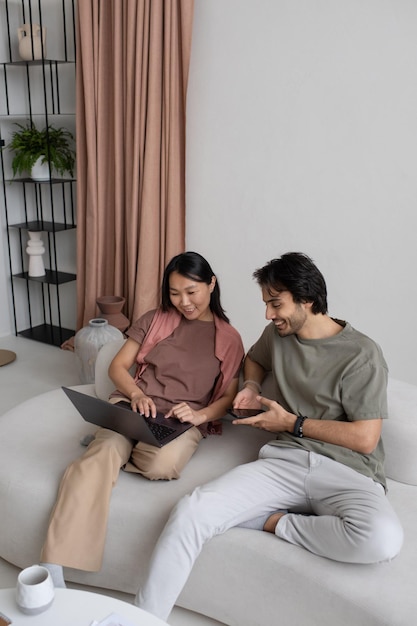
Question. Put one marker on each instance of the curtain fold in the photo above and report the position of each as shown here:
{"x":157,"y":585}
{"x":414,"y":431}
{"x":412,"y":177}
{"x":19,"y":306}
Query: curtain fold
{"x":132,"y":72}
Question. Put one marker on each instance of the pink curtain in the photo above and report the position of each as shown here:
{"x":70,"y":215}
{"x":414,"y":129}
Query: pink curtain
{"x":132,"y":70}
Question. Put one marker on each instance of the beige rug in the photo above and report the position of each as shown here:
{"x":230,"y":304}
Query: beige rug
{"x":6,"y":356}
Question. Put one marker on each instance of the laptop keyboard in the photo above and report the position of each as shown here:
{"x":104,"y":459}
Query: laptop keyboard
{"x":160,"y":431}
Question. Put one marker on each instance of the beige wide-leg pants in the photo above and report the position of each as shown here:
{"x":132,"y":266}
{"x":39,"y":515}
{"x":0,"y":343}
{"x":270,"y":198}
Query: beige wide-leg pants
{"x":78,"y":524}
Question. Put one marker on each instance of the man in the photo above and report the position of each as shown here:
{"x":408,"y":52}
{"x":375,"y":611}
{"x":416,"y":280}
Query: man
{"x":320,"y":484}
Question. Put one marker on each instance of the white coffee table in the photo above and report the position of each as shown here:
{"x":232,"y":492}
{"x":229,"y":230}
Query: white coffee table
{"x":72,"y":607}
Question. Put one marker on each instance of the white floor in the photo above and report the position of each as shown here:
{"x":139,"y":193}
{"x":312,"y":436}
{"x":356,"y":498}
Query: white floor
{"x":39,"y":368}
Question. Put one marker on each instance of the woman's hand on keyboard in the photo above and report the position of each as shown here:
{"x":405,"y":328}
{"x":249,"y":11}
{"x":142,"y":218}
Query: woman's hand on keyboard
{"x":143,"y":404}
{"x":184,"y":413}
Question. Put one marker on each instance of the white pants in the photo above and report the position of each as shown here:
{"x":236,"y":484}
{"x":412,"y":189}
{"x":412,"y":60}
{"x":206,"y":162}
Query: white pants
{"x":334,"y":512}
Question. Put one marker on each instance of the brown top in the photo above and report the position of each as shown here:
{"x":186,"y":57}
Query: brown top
{"x":181,"y":368}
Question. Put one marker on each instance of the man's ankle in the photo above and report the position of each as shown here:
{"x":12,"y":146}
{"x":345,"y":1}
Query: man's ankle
{"x":272,"y":521}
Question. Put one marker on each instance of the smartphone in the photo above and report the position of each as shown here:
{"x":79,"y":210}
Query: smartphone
{"x":239,"y":413}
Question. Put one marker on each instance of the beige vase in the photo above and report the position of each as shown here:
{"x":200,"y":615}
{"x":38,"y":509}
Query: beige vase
{"x":32,"y":42}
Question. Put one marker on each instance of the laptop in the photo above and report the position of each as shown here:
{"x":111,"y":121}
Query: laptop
{"x":157,"y":431}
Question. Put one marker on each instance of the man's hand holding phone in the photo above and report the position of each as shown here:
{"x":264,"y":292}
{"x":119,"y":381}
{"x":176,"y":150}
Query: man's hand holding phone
{"x":274,"y":419}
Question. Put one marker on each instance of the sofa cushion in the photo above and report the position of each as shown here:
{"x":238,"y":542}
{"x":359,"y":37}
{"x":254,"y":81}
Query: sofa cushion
{"x":250,"y":577}
{"x":400,"y":432}
{"x":40,"y":437}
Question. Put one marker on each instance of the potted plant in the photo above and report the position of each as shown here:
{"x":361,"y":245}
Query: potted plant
{"x":48,"y":148}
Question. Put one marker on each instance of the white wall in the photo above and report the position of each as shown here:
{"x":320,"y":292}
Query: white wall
{"x":302,"y":135}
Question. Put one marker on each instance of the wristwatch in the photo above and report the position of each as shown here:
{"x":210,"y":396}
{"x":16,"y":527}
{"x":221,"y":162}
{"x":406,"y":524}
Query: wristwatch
{"x":298,"y":428}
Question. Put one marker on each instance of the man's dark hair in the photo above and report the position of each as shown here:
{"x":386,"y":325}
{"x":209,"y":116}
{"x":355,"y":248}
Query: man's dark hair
{"x":195,"y":267}
{"x":296,"y":273}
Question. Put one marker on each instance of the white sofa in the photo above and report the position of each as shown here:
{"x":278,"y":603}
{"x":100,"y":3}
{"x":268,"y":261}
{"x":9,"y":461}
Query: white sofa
{"x":242,"y":578}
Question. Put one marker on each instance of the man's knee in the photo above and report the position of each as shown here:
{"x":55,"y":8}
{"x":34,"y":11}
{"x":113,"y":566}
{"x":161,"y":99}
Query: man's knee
{"x":387,"y":538}
{"x":379,"y":539}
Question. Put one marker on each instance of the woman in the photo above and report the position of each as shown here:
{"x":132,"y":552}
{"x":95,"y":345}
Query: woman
{"x":187,"y":358}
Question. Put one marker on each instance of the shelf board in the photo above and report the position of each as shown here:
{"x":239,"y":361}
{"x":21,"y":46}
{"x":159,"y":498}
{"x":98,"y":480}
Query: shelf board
{"x":20,"y":116}
{"x":51,"y":277}
{"x":46,"y":333}
{"x":38,"y":62}
{"x":52,"y":181}
{"x":43,"y":226}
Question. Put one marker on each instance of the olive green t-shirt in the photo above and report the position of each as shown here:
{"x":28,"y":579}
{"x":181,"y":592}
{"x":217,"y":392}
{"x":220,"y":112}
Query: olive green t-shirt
{"x":342,"y":378}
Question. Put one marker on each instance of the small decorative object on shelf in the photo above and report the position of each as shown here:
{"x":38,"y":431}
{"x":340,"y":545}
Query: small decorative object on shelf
{"x":32,"y":42}
{"x":51,"y":146}
{"x":111,"y":310}
{"x":87,"y":343}
{"x":35,"y":249}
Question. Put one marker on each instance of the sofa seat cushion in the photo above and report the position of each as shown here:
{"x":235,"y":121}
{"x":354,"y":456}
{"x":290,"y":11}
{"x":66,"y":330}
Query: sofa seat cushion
{"x":242,"y":577}
{"x":40,"y":437}
{"x":248,"y":575}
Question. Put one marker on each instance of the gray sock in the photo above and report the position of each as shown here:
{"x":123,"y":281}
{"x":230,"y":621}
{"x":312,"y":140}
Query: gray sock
{"x":57,"y":574}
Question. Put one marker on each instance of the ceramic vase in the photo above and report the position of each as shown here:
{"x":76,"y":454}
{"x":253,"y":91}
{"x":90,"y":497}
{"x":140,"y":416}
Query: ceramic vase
{"x":87,"y":343}
{"x":111,"y":310}
{"x":40,"y":171}
{"x":35,"y":251}
{"x":32,"y":42}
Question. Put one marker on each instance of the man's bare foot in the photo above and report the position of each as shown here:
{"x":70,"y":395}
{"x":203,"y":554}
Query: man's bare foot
{"x":272,"y":521}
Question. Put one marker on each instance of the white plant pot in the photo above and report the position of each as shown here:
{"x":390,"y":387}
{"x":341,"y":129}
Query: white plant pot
{"x":40,"y":171}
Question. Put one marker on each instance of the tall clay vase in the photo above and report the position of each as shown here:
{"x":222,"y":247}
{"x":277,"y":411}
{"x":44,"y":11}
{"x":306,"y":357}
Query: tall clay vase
{"x":87,"y":343}
{"x":111,"y":310}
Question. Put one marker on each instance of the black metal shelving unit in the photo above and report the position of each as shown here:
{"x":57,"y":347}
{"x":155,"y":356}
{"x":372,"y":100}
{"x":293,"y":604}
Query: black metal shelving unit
{"x":42,"y":206}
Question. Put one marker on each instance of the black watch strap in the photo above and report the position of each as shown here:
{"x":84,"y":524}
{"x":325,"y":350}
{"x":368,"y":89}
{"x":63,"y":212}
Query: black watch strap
{"x":298,"y":428}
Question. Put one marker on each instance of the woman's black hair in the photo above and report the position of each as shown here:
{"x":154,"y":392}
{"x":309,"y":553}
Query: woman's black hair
{"x":194,"y":266}
{"x":296,"y":273}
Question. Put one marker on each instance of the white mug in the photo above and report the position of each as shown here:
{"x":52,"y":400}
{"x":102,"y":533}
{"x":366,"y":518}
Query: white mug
{"x":34,"y":590}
